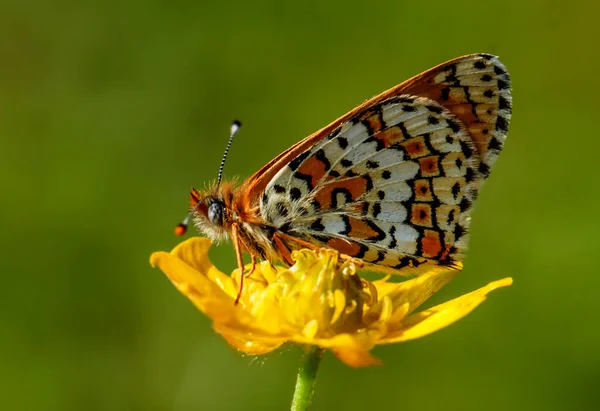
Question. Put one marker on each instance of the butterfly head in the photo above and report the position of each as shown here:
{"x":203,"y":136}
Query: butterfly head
{"x":209,"y":209}
{"x":210,"y":213}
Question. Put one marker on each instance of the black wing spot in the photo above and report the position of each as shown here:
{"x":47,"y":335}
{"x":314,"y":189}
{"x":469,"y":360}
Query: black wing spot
{"x":372,"y":164}
{"x":365,"y":208}
{"x":464,"y":205}
{"x":347,"y":227}
{"x":433,"y":120}
{"x":346,"y":163}
{"x":369,"y":181}
{"x":386,"y":175}
{"x":484,"y":169}
{"x":380,"y":233}
{"x":306,"y":178}
{"x":320,"y":155}
{"x":501,"y":124}
{"x":486,"y":78}
{"x":393,"y":243}
{"x":434,"y":109}
{"x":363,"y":250}
{"x":317,"y":225}
{"x":408,"y":109}
{"x":494,"y":144}
{"x":459,"y":231}
{"x":380,"y":256}
{"x":334,"y":196}
{"x":450,"y":78}
{"x":456,"y":189}
{"x":376,"y":209}
{"x":480,"y":65}
{"x":450,"y":219}
{"x":453,"y":125}
{"x":295,"y":194}
{"x":502,"y":85}
{"x":469,"y":175}
{"x":467,"y":151}
{"x":295,"y":163}
{"x":334,"y":133}
{"x":342,"y":142}
{"x":488,"y":93}
{"x":279,"y":189}
{"x":445,"y":95}
{"x":499,"y":70}
{"x":503,"y":103}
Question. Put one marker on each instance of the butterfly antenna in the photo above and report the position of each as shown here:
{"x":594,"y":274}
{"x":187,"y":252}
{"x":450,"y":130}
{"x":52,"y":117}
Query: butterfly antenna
{"x":235,"y":126}
{"x":181,"y":228}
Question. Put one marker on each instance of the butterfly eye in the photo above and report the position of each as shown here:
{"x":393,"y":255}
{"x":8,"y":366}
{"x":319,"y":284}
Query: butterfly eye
{"x":215,"y":212}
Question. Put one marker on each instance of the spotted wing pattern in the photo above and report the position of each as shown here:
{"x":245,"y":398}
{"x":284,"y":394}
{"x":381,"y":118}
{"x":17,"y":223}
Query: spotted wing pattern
{"x":394,"y":183}
{"x":392,"y":186}
{"x":476,"y":89}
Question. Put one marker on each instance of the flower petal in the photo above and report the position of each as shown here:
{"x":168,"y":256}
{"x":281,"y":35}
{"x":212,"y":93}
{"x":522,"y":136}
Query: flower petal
{"x":192,"y":273}
{"x":252,"y":347}
{"x":347,"y":348}
{"x":440,"y":316}
{"x":417,"y":290}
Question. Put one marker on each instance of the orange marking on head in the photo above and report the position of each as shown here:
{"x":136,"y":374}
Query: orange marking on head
{"x":356,"y":186}
{"x":343,"y":246}
{"x":422,"y":190}
{"x":194,"y":197}
{"x":314,"y":168}
{"x":421,"y":215}
{"x":431,"y":245}
{"x":429,"y":166}
{"x":415,"y":147}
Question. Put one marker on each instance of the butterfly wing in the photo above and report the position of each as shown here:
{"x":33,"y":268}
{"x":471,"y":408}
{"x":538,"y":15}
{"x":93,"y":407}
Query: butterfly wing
{"x":475,"y":88}
{"x":393,"y":181}
{"x":392,"y":186}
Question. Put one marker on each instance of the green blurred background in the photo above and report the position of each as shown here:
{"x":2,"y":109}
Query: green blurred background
{"x":111,"y":110}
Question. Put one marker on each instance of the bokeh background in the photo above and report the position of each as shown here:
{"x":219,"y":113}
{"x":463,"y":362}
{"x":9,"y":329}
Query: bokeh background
{"x":111,"y":110}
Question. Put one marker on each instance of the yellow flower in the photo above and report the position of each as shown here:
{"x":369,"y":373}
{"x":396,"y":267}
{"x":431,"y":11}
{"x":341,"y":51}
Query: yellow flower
{"x":315,"y":301}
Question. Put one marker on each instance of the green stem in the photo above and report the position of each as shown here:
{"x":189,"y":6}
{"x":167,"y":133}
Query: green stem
{"x":307,"y":377}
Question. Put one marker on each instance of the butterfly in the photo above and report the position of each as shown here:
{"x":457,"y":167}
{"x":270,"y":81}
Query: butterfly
{"x":391,"y":184}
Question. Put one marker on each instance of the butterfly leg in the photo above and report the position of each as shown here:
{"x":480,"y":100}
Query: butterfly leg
{"x":285,"y":252}
{"x":253,"y":257}
{"x":240,"y":260}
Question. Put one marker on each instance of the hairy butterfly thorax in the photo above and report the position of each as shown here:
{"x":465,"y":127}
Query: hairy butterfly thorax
{"x":390,"y":184}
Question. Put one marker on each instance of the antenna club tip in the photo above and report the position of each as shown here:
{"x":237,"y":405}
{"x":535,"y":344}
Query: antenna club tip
{"x":180,"y":229}
{"x":236,"y":123}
